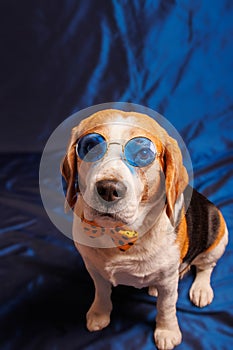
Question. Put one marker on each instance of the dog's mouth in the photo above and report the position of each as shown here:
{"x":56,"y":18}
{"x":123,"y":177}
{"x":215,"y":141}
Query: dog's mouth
{"x":109,"y":215}
{"x":106,"y":219}
{"x":109,"y":218}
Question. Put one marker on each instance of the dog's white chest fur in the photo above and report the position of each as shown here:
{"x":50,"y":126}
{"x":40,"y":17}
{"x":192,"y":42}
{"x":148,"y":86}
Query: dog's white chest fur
{"x":137,"y":273}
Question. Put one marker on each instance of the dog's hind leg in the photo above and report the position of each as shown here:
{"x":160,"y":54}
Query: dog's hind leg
{"x":201,"y":292}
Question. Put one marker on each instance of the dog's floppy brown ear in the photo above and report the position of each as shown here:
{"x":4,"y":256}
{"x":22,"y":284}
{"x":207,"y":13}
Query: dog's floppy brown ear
{"x":69,"y":173}
{"x":176,"y":176}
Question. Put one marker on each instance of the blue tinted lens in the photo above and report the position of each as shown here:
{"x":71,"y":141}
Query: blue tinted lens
{"x":91,"y":147}
{"x":140,"y":151}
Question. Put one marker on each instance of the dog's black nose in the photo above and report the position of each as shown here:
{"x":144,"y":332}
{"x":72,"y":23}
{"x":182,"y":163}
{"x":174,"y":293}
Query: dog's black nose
{"x":111,"y":190}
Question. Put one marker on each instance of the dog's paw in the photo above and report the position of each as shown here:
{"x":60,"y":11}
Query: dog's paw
{"x":201,"y":294}
{"x":152,"y":291}
{"x":97,"y":321}
{"x":167,"y":339}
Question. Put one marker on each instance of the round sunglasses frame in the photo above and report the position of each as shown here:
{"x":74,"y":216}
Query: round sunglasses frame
{"x":123,"y":148}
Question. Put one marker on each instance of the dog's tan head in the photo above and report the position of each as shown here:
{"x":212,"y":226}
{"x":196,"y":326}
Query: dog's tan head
{"x":110,"y":188}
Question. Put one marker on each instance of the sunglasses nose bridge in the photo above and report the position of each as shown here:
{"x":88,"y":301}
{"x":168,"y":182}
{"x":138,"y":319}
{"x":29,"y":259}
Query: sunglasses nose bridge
{"x":115,"y":149}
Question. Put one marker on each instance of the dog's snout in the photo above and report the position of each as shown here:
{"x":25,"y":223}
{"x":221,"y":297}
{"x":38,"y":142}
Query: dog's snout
{"x":111,"y":190}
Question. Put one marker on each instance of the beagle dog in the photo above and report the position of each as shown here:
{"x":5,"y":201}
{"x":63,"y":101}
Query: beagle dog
{"x":136,"y":220}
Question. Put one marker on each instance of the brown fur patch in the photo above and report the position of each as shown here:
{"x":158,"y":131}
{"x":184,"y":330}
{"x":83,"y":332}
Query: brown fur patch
{"x":99,"y":120}
{"x":182,"y":237}
{"x":221,"y":232}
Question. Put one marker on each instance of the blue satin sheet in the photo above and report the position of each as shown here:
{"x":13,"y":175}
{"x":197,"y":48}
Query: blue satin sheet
{"x":58,"y":57}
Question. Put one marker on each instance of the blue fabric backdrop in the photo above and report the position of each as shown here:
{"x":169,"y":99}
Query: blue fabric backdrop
{"x":175,"y":57}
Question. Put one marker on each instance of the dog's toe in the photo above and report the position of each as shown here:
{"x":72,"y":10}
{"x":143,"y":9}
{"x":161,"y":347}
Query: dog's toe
{"x":167,"y":339}
{"x":201,"y":294}
{"x":97,"y":321}
{"x":153,"y":291}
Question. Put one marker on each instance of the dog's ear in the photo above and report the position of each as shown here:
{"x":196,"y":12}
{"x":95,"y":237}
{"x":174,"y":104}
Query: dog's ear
{"x":70,"y":174}
{"x":176,"y":176}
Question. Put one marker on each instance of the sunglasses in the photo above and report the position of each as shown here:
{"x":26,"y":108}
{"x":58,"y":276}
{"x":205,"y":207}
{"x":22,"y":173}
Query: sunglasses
{"x":138,"y":151}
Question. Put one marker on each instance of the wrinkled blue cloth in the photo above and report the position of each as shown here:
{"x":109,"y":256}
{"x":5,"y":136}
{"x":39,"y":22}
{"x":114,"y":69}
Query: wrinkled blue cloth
{"x":59,"y":57}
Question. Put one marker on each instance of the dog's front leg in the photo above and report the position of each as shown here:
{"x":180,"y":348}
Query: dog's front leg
{"x":167,"y":333}
{"x":98,"y":316}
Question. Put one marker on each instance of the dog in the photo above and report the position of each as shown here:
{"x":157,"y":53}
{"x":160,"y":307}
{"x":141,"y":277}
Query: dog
{"x":129,"y":191}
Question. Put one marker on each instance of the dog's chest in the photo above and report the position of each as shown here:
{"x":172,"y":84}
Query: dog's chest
{"x":135,"y":269}
{"x":131,"y":272}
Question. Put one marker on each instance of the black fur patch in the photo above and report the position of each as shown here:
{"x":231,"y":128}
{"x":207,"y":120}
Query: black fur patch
{"x":203,"y":223}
